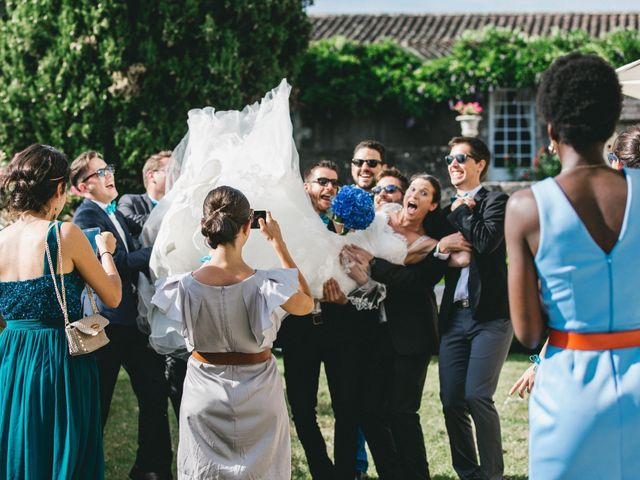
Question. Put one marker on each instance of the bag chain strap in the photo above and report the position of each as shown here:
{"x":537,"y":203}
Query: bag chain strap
{"x":62,"y":299}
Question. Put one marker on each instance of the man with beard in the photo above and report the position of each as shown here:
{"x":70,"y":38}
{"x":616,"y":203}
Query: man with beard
{"x":330,"y":336}
{"x":367,"y":162}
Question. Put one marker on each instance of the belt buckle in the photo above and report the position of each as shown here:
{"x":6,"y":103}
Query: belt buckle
{"x":316,"y":319}
{"x":464,"y":303}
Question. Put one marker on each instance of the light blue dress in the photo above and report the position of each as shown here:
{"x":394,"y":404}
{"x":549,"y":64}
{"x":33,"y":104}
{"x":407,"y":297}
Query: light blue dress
{"x":584,"y":412}
{"x":49,"y":401}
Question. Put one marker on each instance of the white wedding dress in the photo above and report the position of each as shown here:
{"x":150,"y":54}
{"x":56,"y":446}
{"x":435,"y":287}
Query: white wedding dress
{"x":252,"y":150}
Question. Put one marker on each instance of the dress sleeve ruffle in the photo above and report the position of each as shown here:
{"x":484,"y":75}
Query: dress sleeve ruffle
{"x":275,"y":287}
{"x":172,"y":315}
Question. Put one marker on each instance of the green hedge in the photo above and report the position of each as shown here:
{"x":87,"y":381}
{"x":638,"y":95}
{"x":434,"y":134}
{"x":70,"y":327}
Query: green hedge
{"x":339,"y":76}
{"x":120,"y":76}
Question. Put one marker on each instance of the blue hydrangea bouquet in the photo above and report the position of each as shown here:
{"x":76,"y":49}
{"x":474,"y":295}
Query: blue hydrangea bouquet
{"x":353,"y":208}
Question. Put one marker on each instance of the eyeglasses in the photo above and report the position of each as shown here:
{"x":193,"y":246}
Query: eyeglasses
{"x":387,"y":188}
{"x":101,"y":172}
{"x":371,"y":163}
{"x":323,"y":182}
{"x":458,"y":157}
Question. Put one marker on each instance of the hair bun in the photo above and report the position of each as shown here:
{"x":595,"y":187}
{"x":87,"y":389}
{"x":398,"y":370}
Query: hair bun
{"x":225,"y":210}
{"x":32,"y":178}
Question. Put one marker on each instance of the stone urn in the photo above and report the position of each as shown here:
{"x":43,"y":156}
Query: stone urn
{"x":469,"y":124}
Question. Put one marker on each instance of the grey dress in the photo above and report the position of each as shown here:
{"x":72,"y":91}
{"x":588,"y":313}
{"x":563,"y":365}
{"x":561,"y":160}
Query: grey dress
{"x":233,"y":418}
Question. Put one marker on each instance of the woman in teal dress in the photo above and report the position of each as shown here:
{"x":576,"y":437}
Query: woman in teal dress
{"x":49,"y":401}
{"x":572,"y":243}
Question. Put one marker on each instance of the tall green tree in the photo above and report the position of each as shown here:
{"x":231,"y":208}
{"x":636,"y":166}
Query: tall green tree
{"x":120,"y":76}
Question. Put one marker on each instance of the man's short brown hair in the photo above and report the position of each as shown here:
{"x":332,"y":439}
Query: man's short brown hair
{"x":153,"y":163}
{"x":79,"y":167}
{"x":395,"y":173}
{"x":373,"y":145}
{"x":321,"y":164}
{"x":479,"y":151}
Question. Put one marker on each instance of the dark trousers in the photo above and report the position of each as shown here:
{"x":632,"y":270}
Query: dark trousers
{"x":391,"y":423}
{"x":129,"y":348}
{"x":175,"y":371}
{"x":313,"y":345}
{"x":471,"y":357}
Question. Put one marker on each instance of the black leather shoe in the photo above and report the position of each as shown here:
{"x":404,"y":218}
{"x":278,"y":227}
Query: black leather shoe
{"x":137,"y":474}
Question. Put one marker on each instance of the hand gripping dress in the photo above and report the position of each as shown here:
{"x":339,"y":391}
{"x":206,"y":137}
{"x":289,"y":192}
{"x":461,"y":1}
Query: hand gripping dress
{"x":233,"y":418}
{"x":584,"y":411}
{"x":49,"y":401}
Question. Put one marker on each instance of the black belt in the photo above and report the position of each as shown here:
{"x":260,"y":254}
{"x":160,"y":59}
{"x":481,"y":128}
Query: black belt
{"x":316,"y":319}
{"x":464,"y":303}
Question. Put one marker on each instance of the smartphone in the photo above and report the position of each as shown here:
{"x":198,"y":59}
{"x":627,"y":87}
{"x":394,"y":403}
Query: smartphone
{"x":256,"y":215}
{"x":91,"y":236}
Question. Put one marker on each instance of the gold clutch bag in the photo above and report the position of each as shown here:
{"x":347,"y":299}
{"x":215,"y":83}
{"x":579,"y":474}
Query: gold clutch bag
{"x":87,"y":334}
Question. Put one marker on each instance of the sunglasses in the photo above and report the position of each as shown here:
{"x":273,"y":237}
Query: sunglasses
{"x":371,"y":163}
{"x":459,"y":157}
{"x":323,"y":182}
{"x":101,"y":172}
{"x":387,"y":188}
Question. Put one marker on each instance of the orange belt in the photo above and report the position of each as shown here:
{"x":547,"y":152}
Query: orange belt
{"x":594,"y":341}
{"x":232,"y":358}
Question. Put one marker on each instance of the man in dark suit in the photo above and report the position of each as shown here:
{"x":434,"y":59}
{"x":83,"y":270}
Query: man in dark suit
{"x":474,"y":327}
{"x":128,"y":347}
{"x":137,"y":207}
{"x":329,"y":336}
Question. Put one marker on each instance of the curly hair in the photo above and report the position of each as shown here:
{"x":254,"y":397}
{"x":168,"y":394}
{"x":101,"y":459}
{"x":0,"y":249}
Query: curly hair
{"x":581,"y":98}
{"x":33,"y":178}
{"x":225,"y":211}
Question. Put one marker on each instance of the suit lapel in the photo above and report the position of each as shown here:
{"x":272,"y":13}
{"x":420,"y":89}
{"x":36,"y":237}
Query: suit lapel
{"x":147,"y":200}
{"x":107,"y":221}
{"x":123,"y":224}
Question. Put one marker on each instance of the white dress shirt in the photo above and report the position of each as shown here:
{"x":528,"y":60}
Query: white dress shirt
{"x":116,"y":223}
{"x":462,"y":287}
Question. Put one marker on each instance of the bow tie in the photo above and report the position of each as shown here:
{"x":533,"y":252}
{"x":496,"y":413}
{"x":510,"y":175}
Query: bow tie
{"x":457,"y":196}
{"x":111,"y":208}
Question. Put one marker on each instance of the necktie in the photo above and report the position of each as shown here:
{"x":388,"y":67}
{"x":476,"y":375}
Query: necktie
{"x":111,"y":208}
{"x":153,"y":202}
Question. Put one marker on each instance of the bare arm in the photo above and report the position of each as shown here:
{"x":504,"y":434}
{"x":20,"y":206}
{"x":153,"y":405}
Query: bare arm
{"x":301,"y":302}
{"x":522,"y":232}
{"x":101,"y":276}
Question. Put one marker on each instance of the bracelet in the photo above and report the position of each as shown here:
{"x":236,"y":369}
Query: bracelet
{"x":535,"y":361}
{"x":105,"y":253}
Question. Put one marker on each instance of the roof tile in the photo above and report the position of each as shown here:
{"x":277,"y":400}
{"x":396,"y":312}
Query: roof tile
{"x":431,"y":35}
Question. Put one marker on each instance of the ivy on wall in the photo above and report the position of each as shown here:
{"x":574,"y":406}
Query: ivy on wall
{"x":340,"y":76}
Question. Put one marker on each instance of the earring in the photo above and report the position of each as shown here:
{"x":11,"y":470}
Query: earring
{"x":552,"y":149}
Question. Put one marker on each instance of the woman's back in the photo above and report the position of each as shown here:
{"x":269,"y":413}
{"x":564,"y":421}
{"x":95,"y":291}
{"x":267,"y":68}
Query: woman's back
{"x":32,"y":295}
{"x":586,"y":259}
{"x":41,"y":385}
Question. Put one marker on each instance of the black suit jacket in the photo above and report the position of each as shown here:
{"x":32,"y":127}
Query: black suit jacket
{"x":129,"y":264}
{"x":136,"y":208}
{"x":410,"y":305}
{"x":483,"y":227}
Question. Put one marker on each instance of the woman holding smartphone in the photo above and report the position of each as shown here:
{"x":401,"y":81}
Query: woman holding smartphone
{"x":233,"y":417}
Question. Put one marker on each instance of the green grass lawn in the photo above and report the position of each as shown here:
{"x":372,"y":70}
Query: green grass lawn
{"x":121,"y":432}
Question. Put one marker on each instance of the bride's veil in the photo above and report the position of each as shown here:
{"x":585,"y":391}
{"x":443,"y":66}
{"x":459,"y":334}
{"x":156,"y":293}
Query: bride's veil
{"x":252,"y":150}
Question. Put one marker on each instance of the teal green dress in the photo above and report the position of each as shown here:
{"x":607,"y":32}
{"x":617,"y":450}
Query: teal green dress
{"x":49,"y":401}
